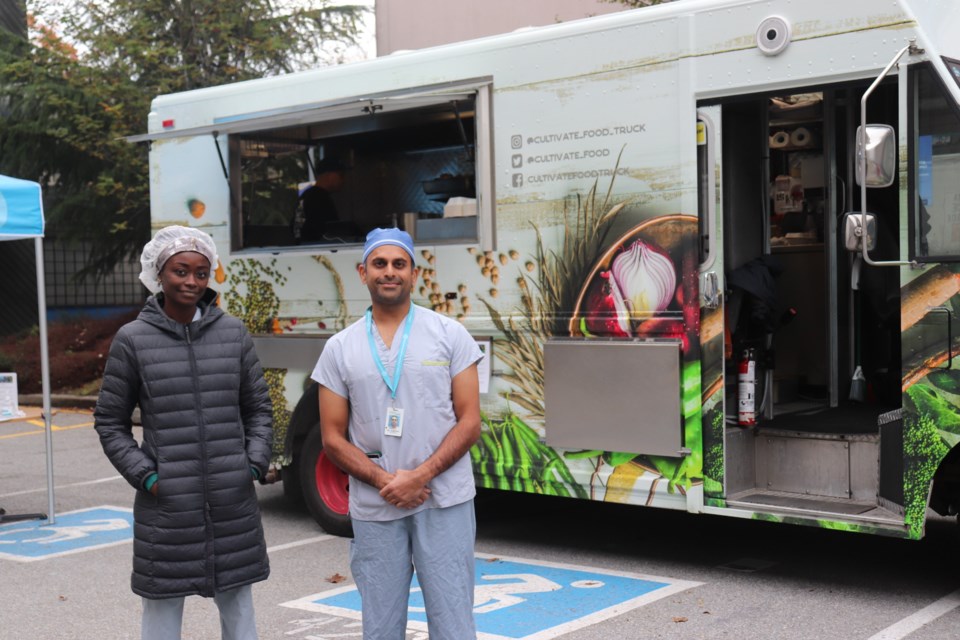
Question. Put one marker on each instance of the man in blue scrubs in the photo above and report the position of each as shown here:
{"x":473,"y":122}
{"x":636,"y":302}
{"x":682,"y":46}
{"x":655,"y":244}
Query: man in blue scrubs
{"x":399,"y":411}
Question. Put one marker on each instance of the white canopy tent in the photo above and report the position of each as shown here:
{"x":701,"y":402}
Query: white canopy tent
{"x":21,"y":217}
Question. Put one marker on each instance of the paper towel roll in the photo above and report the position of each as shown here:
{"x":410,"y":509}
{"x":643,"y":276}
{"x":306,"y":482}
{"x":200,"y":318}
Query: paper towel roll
{"x":801,"y":137}
{"x":779,"y":140}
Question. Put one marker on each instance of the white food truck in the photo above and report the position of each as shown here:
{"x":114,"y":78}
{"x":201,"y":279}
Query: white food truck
{"x":711,"y":248}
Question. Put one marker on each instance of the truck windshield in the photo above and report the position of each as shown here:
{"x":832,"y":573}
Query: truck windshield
{"x":936,"y":168}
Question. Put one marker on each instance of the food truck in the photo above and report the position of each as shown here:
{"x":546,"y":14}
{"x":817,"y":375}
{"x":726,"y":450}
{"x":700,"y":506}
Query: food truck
{"x":711,"y":249}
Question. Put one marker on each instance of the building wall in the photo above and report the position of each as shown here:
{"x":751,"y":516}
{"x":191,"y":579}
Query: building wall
{"x":416,"y":24}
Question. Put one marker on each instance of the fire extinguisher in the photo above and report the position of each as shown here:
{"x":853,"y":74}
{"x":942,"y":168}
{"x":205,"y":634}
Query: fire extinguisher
{"x":747,"y":389}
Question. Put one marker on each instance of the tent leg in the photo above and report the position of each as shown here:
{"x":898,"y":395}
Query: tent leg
{"x":45,"y":375}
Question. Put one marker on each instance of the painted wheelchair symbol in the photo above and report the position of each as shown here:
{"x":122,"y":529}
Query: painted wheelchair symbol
{"x":508,"y":589}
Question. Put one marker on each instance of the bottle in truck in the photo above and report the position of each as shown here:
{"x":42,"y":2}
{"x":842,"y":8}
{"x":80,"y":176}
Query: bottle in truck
{"x":617,"y":208}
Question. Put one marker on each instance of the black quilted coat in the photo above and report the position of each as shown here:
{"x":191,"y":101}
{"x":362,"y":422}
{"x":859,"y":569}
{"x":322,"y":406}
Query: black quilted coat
{"x":207,"y":418}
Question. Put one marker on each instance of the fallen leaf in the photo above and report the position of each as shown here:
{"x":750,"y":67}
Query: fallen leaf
{"x":336,"y":578}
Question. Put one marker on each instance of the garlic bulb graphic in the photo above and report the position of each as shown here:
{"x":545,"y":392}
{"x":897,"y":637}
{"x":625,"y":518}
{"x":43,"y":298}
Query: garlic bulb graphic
{"x":645,"y":278}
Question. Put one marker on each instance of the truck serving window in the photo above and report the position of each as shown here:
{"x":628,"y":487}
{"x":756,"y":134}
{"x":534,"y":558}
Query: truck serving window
{"x":405,"y":161}
{"x":935,"y":169}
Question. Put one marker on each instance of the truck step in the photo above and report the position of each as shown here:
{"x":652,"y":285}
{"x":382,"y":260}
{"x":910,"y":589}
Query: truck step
{"x":787,"y":503}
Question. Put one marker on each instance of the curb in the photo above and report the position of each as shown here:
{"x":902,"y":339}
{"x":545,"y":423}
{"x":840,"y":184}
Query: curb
{"x":58,"y":400}
{"x":64,"y":401}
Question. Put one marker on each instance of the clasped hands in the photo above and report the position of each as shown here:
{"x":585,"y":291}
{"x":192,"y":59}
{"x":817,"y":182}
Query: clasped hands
{"x":405,"y":489}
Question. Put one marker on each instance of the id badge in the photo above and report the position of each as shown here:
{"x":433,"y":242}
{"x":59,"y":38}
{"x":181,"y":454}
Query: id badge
{"x":393,"y":425}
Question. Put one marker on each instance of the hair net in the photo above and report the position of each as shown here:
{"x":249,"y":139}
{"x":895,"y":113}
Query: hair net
{"x":170,"y":241}
{"x":380,"y":237}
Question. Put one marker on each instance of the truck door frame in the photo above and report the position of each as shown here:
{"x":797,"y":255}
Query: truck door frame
{"x":709,"y":199}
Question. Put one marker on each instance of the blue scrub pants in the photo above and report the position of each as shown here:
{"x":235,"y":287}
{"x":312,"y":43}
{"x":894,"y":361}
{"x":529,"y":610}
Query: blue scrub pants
{"x":163,"y":619}
{"x":439,"y":542}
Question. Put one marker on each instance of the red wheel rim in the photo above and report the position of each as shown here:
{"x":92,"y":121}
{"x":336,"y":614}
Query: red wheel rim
{"x":332,"y":485}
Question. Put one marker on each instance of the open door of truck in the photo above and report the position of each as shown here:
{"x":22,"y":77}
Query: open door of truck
{"x":789,"y":317}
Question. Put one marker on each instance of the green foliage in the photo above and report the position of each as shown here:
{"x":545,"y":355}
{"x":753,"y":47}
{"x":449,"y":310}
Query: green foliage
{"x":948,"y":381}
{"x":169,"y":46}
{"x":928,"y":401}
{"x":922,"y":442}
{"x":63,"y":128}
{"x":923,"y":450}
{"x":78,"y":350}
{"x":70,"y":100}
{"x":713,"y":451}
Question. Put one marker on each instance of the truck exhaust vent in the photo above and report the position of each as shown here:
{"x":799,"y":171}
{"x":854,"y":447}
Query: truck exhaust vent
{"x":773,"y":35}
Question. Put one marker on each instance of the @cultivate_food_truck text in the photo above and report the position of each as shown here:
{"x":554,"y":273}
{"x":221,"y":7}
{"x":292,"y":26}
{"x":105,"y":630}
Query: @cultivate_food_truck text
{"x":711,"y":249}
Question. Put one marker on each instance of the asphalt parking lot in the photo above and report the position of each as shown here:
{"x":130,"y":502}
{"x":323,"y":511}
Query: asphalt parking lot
{"x":81,"y":592}
{"x":70,"y":579}
{"x":547,"y":568}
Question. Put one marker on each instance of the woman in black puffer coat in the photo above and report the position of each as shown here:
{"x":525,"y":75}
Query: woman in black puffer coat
{"x":207,"y":433}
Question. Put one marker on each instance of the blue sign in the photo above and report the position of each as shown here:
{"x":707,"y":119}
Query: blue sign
{"x":516,"y":599}
{"x":73,"y":532}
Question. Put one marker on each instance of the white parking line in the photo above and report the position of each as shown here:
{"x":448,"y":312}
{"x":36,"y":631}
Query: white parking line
{"x":299,"y":543}
{"x":61,"y":486}
{"x":911,"y":623}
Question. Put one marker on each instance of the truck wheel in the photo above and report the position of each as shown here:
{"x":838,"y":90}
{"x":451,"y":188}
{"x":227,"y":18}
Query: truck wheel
{"x":324,"y":487}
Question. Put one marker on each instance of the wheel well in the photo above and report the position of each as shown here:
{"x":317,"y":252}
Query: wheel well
{"x":305,"y":415}
{"x":945,"y":494}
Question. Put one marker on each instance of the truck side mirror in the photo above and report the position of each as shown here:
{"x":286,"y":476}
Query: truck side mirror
{"x":856,"y":225}
{"x":878,"y":148}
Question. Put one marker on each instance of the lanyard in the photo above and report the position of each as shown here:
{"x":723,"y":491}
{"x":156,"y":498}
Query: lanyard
{"x":395,"y":383}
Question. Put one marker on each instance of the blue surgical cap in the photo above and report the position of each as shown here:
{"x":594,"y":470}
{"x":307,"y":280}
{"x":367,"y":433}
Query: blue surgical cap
{"x":381,"y":237}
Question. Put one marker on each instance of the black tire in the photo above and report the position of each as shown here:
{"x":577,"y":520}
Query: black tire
{"x":292,"y":487}
{"x":330,"y":514}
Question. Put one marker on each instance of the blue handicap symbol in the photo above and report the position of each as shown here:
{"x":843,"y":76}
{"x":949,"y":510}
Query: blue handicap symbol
{"x":75,"y":531}
{"x":517,"y":599}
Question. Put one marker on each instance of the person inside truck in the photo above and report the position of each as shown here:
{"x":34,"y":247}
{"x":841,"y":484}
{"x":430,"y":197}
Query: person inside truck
{"x":320,"y":219}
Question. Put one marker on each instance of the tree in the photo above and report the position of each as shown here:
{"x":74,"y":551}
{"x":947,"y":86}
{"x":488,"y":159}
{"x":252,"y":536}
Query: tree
{"x":68,"y":104}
